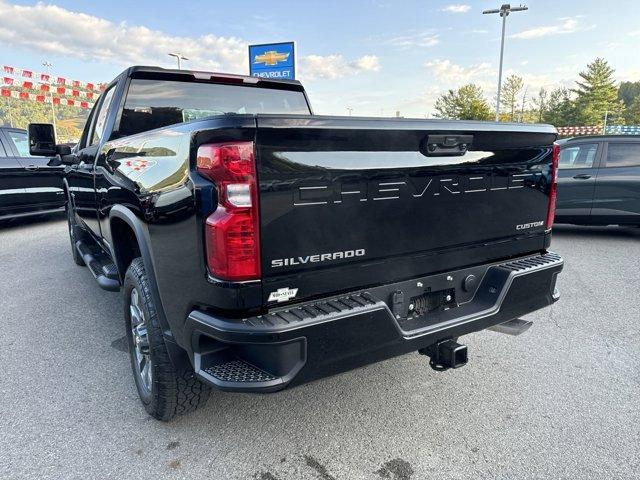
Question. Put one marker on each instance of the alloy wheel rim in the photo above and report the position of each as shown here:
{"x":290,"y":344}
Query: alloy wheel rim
{"x":141,"y":351}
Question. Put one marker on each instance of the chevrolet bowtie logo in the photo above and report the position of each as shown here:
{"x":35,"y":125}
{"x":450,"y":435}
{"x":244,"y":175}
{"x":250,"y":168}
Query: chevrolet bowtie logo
{"x":271,"y":58}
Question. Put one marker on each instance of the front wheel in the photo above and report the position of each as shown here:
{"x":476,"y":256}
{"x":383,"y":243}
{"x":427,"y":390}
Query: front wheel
{"x":164,"y":392}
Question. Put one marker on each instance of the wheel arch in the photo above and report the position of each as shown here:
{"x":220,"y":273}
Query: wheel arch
{"x":123,"y":221}
{"x":125,"y":244}
{"x":130,"y":236}
{"x":67,"y":191}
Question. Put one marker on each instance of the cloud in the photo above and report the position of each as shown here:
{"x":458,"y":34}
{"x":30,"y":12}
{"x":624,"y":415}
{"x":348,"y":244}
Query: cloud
{"x":456,"y":8}
{"x":55,"y":30}
{"x":452,"y":74}
{"x":49,"y":29}
{"x":336,"y":66}
{"x":535,"y":81}
{"x":423,"y":103}
{"x":628,"y":74}
{"x":568,"y":25}
{"x":369,"y":63}
{"x":635,"y":33}
{"x":425,"y":39}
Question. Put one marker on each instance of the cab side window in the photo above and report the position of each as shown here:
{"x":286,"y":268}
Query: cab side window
{"x":623,"y":155}
{"x":101,"y":117}
{"x":578,"y":156}
{"x":21,"y":142}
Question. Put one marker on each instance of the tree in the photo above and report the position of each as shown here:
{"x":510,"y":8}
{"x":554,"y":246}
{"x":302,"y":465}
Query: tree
{"x":466,"y":103}
{"x":541,"y":104}
{"x":597,"y":94}
{"x":561,"y":109}
{"x":629,"y":92}
{"x":632,"y":114}
{"x":510,"y":94}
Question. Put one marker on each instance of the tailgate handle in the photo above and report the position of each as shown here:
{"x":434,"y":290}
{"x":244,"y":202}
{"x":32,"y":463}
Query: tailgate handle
{"x":447,"y":145}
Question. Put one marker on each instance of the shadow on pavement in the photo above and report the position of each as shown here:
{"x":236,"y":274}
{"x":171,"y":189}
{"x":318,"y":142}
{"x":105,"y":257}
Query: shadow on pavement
{"x":31,"y":220}
{"x":611,"y":231}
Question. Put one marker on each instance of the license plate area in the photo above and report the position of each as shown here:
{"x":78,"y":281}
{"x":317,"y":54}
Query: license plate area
{"x":430,"y":302}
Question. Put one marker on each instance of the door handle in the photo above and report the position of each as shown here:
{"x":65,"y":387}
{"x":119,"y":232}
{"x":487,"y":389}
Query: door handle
{"x":582,"y":176}
{"x":31,"y":168}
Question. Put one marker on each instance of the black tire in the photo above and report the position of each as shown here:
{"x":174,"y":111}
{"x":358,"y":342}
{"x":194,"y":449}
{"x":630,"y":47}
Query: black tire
{"x":164,"y":392}
{"x":74,"y":236}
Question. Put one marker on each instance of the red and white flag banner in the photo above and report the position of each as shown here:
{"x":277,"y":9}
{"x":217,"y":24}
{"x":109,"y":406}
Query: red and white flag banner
{"x":44,"y":87}
{"x":45,"y":77}
{"x":579,"y":130}
{"x":6,"y":92}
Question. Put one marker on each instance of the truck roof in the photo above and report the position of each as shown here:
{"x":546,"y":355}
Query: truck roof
{"x":142,"y":71}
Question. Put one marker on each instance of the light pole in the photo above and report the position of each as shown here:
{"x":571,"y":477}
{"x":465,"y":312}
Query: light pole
{"x":504,"y":12}
{"x":9,"y":111}
{"x":179,"y":57}
{"x":47,"y":66}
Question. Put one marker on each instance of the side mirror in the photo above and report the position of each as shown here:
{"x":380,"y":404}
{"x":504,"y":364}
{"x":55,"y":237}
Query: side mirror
{"x":42,"y":140}
{"x":63,"y":150}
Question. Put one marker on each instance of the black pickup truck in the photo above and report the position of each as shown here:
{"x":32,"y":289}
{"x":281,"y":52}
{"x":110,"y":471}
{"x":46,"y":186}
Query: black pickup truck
{"x":259,"y":246}
{"x":29,"y":185}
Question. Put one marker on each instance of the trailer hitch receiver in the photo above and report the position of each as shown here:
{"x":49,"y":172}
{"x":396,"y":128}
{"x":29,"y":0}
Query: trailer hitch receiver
{"x":446,"y":354}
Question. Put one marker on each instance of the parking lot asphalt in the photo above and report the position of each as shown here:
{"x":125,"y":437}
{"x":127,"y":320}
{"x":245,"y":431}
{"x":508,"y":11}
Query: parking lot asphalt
{"x":560,"y":401}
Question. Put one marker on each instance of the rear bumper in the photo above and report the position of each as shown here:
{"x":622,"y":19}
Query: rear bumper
{"x":308,"y":341}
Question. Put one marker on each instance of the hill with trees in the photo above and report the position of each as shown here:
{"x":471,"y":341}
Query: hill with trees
{"x":19,"y":113}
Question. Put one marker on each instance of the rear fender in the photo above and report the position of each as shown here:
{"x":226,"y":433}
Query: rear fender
{"x":178,"y":355}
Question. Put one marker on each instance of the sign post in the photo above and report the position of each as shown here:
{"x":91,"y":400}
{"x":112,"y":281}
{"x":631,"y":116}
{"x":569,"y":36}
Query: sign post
{"x":273,"y":60}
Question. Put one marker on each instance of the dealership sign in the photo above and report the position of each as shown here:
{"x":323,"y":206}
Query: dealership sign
{"x":273,"y":60}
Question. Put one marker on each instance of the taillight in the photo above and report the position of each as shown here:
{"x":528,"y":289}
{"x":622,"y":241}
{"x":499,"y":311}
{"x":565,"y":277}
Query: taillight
{"x":553,"y":187}
{"x":232,"y":235}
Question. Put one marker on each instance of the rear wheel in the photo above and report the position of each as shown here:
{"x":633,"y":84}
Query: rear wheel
{"x":163,"y":390}
{"x":73,"y":236}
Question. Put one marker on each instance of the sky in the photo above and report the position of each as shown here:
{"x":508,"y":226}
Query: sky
{"x":375,"y":57}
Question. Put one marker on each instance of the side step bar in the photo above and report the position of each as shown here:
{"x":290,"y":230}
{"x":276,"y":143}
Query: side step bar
{"x":103,"y":270}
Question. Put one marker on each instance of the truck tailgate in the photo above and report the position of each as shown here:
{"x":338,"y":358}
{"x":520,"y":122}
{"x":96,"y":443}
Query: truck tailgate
{"x":347,"y":203}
